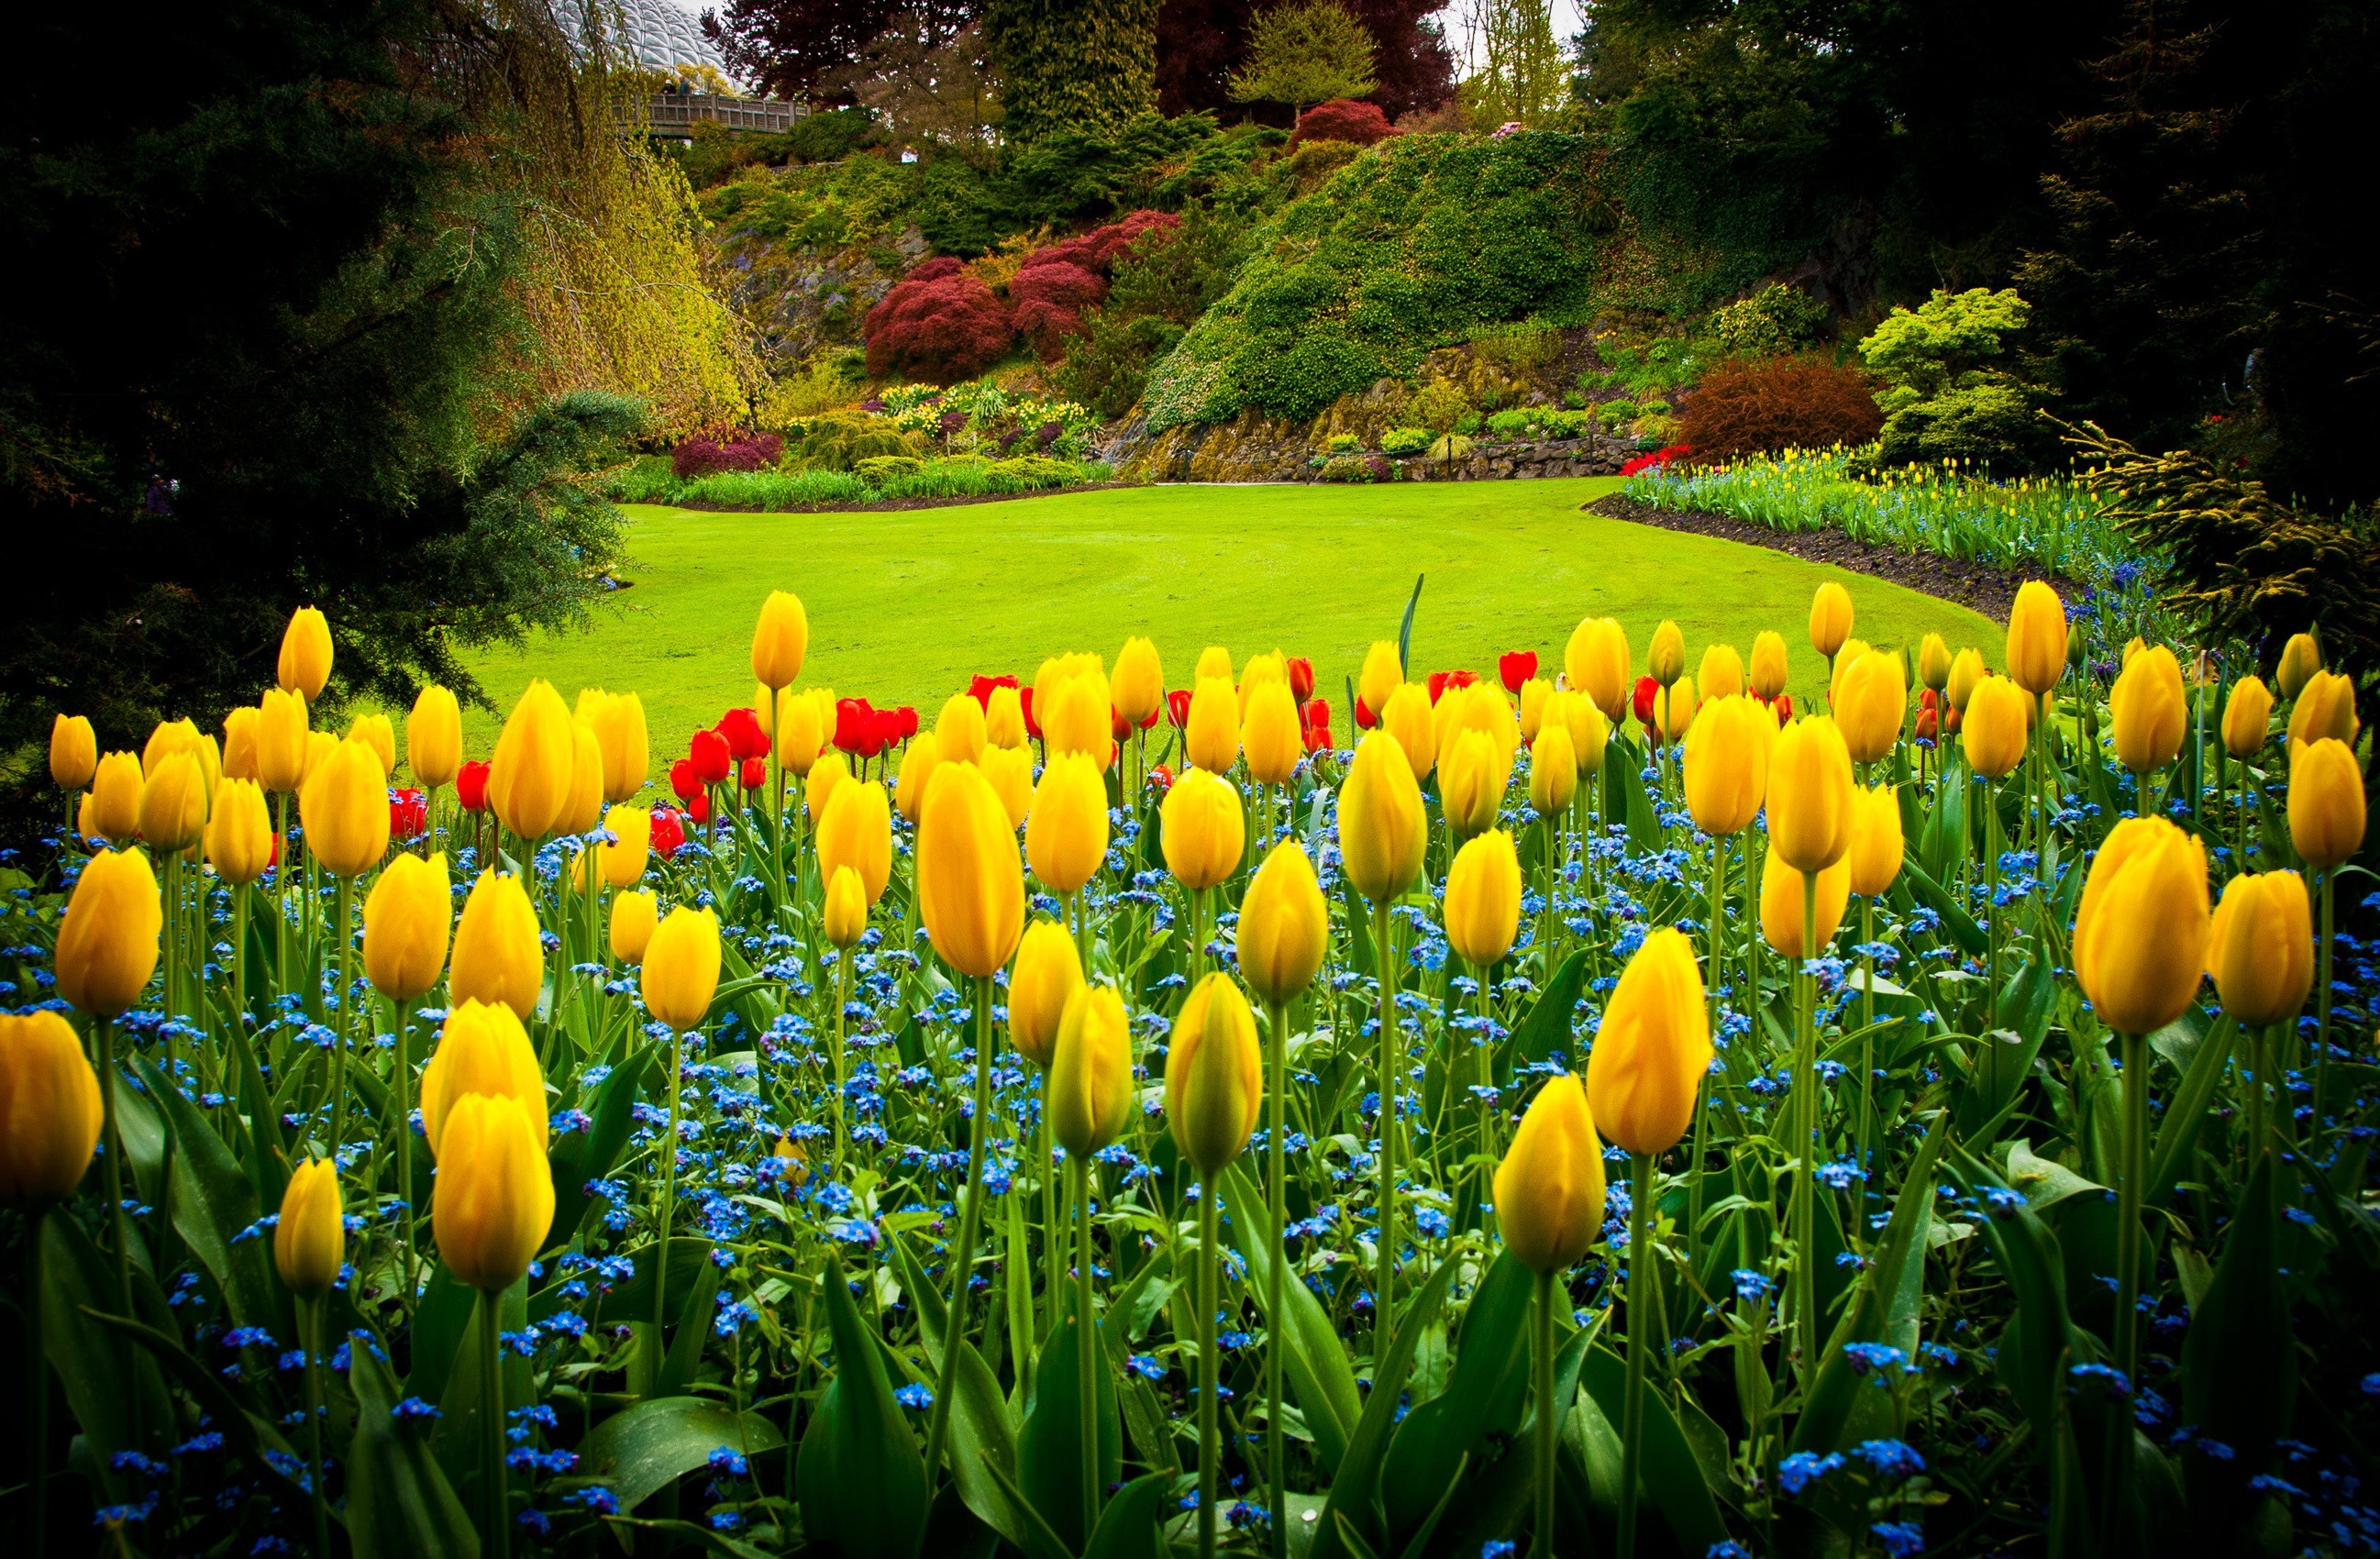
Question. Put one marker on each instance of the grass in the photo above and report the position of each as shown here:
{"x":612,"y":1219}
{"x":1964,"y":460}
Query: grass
{"x":904,"y":606}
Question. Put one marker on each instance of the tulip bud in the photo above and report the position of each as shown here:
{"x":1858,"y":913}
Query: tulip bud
{"x":1673,"y":709}
{"x":1213,"y":661}
{"x":623,"y":854}
{"x":1871,"y":699}
{"x":74,"y":752}
{"x":2141,"y":933}
{"x":405,"y":920}
{"x":1997,"y":722}
{"x":1780,"y":905}
{"x":780,"y":640}
{"x":107,"y":943}
{"x":1384,"y":672}
{"x":1004,"y":719}
{"x":529,"y":777}
{"x":1010,"y":769}
{"x":829,"y":774}
{"x":634,"y":916}
{"x":1876,"y":840}
{"x":1549,"y":1186}
{"x":1382,"y":829}
{"x":801,"y":731}
{"x":2247,"y":717}
{"x":970,"y":881}
{"x":1139,"y":687}
{"x":1966,"y":672}
{"x":1830,"y":619}
{"x":309,"y":1240}
{"x":344,"y":808}
{"x":282,"y":738}
{"x":239,"y":836}
{"x":1204,"y":832}
{"x":239,"y":742}
{"x":115,"y":792}
{"x":681,"y":968}
{"x":1408,"y":717}
{"x":2325,"y":707}
{"x":2260,"y":948}
{"x":1849,"y":652}
{"x":1270,"y":733}
{"x":856,"y":831}
{"x":1483,"y":900}
{"x":1553,"y":772}
{"x":1066,"y":832}
{"x":846,"y":908}
{"x":1768,"y":664}
{"x":919,"y":761}
{"x":434,"y":737}
{"x":1646,"y":1068}
{"x":50,"y":1110}
{"x":494,"y":1197}
{"x":1597,"y":664}
{"x":173,"y":804}
{"x":1727,"y":757}
{"x":1590,"y":734}
{"x":584,"y":808}
{"x":1211,"y":739}
{"x":1285,"y":926}
{"x":2132,"y":647}
{"x":1077,"y":720}
{"x":618,"y":723}
{"x":1214,"y":1075}
{"x":1665,"y":658}
{"x":2147,"y":710}
{"x":168,"y":739}
{"x":959,"y":733}
{"x":1471,"y":784}
{"x":1533,"y":695}
{"x":1809,"y":797}
{"x":306,"y":654}
{"x":1090,"y":1093}
{"x":499,"y":957}
{"x":1048,"y":972}
{"x":2036,"y":639}
{"x":2300,"y":659}
{"x":2326,"y":802}
{"x":1721,"y":676}
{"x":1933,"y":662}
{"x":376,"y":732}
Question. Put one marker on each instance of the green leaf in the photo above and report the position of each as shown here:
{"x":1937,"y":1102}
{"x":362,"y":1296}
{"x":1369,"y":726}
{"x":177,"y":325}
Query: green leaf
{"x":642,"y":1451}
{"x":1437,"y":1435}
{"x":1130,"y":1527}
{"x":1623,"y":787}
{"x":1405,"y":634}
{"x":2040,"y":1334}
{"x":586,"y":1155}
{"x":1496,"y":1498}
{"x":1955,"y":919}
{"x":982,"y":1434}
{"x":214,"y":1203}
{"x":2240,"y":1361}
{"x":683,"y":1534}
{"x":247,"y":1434}
{"x":1547,"y":1027}
{"x":1051,"y":1461}
{"x":399,"y":1504}
{"x":2045,"y":1181}
{"x":860,"y":1479}
{"x":684,"y":1355}
{"x":2188,"y":1109}
{"x":1315,"y":1361}
{"x":1354,"y":1492}
{"x":440,"y":1324}
{"x":1670,"y":1471}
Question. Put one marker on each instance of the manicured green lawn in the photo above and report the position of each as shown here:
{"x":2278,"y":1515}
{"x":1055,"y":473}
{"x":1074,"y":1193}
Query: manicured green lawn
{"x":904,"y":607}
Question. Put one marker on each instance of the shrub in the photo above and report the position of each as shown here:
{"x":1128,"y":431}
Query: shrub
{"x":1405,"y":441}
{"x":1943,"y":398}
{"x":1612,"y":414}
{"x":939,"y":324}
{"x":1771,"y":322}
{"x":1106,"y":364}
{"x":771,"y":489}
{"x":724,"y":449}
{"x":1360,"y":124}
{"x":1314,"y":162}
{"x":1343,"y":443}
{"x":1048,"y":303}
{"x":1028,"y":472}
{"x":1517,"y":348}
{"x":840,"y":441}
{"x":877,"y":469}
{"x":1760,"y":405}
{"x":647,"y":479}
{"x":1357,"y":468}
{"x":1540,"y":422}
{"x":1439,"y":405}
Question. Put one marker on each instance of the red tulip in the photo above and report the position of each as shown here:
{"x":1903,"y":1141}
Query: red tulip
{"x":1317,"y":732}
{"x":1927,"y":723}
{"x":1118,"y":726}
{"x":700,"y":807}
{"x":669,"y":832}
{"x":1161,"y":777}
{"x":905,"y":720}
{"x":1515,"y":666}
{"x":711,"y":757}
{"x":851,"y":721}
{"x":1437,"y":685}
{"x":1150,"y":719}
{"x":755,"y":773}
{"x":408,"y":814}
{"x":883,"y":729}
{"x":1784,"y":708}
{"x":1646,"y":689}
{"x":1315,"y":711}
{"x":1177,"y":706}
{"x":684,"y":782}
{"x":471,"y":786}
{"x":1025,"y":704}
{"x":1952,"y":723}
{"x":746,"y":740}
{"x":1364,"y":719}
{"x":979,"y":687}
{"x":1927,"y":699}
{"x":1301,"y":678}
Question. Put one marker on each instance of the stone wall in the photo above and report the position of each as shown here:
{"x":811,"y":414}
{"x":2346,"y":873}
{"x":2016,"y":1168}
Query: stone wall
{"x":1252,"y":448}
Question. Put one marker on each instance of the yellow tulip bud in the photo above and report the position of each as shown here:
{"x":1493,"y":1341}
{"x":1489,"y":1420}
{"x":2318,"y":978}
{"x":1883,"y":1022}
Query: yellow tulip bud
{"x":918,"y":762}
{"x":1047,"y":973}
{"x":1590,"y":734}
{"x":1382,"y":829}
{"x":1079,"y":719}
{"x":634,"y":916}
{"x":1010,"y":769}
{"x":376,"y":732}
{"x":1203,"y":829}
{"x":239,"y":835}
{"x":1768,"y":664}
{"x":1999,"y":717}
{"x":1876,"y":840}
{"x":1004,"y":719}
{"x":344,"y":808}
{"x":1285,"y":926}
{"x":1483,"y":900}
{"x":1871,"y":699}
{"x":780,"y":640}
{"x":1830,"y":619}
{"x":681,"y":968}
{"x":1089,"y":1093}
{"x":309,"y":1240}
{"x":2132,"y":647}
{"x":1850,"y":651}
{"x":1410,"y":720}
{"x":2300,"y":659}
{"x":831,"y":773}
{"x":1665,"y":658}
{"x":1534,"y":694}
{"x":1553,"y":772}
{"x":1214,"y":1075}
{"x":173,"y":804}
{"x":168,"y":739}
{"x":2141,"y":933}
{"x":2147,"y":709}
{"x":1472,"y":783}
{"x":2247,"y":717}
{"x":857,"y":831}
{"x":2326,"y":802}
{"x":238,"y":742}
{"x":306,"y":654}
{"x":494,"y":1197}
{"x":1966,"y":672}
{"x":405,"y":922}
{"x":50,"y":1110}
{"x":1213,"y":661}
{"x":434,"y":737}
{"x":801,"y":732}
{"x":499,"y":957}
{"x":585,"y":807}
{"x":1066,"y":832}
{"x":1933,"y":662}
{"x":1210,"y":739}
{"x":320,"y":744}
{"x":619,"y":726}
{"x":1647,"y":1065}
{"x":1721,"y":676}
{"x":1673,"y":710}
{"x":74,"y":752}
{"x":530,"y":773}
{"x":1596,"y":663}
{"x":1549,"y":1186}
{"x":1383,"y":674}
{"x":282,"y":738}
{"x":1780,"y":905}
{"x":107,"y":943}
{"x":2036,"y":639}
{"x":1270,"y":733}
{"x":629,"y":844}
{"x":1139,"y":687}
{"x":970,"y":881}
{"x":116,"y":791}
{"x":1809,"y":795}
{"x":2260,"y":948}
{"x":1726,"y":755}
{"x":2325,"y":707}
{"x":959,"y":733}
{"x":846,"y":908}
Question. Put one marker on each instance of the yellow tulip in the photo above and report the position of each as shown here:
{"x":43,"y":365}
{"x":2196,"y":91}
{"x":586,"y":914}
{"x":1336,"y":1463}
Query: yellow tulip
{"x":2036,"y":639}
{"x":50,"y":1110}
{"x":857,"y":831}
{"x":376,"y":732}
{"x":2300,"y":659}
{"x":1262,"y":671}
{"x":1471,"y":783}
{"x":309,"y":1240}
{"x":481,"y":1049}
{"x":1079,"y":719}
{"x":1780,"y":905}
{"x":1214,"y":1079}
{"x":1213,"y":661}
{"x":780,"y":640}
{"x":960,"y":734}
{"x":970,"y":881}
{"x":618,"y":722}
{"x":1483,"y":707}
{"x":74,"y":752}
{"x":1993,"y":734}
{"x":1383,"y":674}
{"x":1871,"y":699}
{"x":305,"y":664}
{"x":918,"y":762}
{"x":2325,"y":707}
{"x":681,"y":967}
{"x":1010,"y":769}
{"x":585,"y":807}
{"x":634,"y":916}
{"x":530,"y":773}
{"x":1203,"y":830}
{"x":846,"y":908}
{"x":1590,"y":734}
{"x":434,"y":737}
{"x":107,"y":943}
{"x":1665,"y":658}
{"x":1646,"y":1068}
{"x":1553,"y":772}
{"x":2247,"y":717}
{"x":1596,"y":663}
{"x":1721,"y":676}
{"x":1047,"y":973}
{"x":1483,"y":900}
{"x":1933,"y":662}
{"x":173,"y":804}
{"x":239,"y":834}
{"x":1549,"y":1186}
{"x":2326,"y":803}
{"x":406,"y":924}
{"x":1809,"y":797}
{"x":1409,"y":719}
{"x":2260,"y":948}
{"x":1382,"y":829}
{"x":1210,"y":738}
{"x":2147,"y":710}
{"x":1270,"y":733}
{"x":1876,"y":840}
{"x":1673,"y":709}
{"x":1139,"y":687}
{"x":1851,"y":651}
{"x":1768,"y":664}
{"x":1966,"y":672}
{"x":1285,"y":926}
{"x":2141,"y":933}
{"x":831,"y":773}
{"x":494,"y":1197}
{"x":1727,"y":764}
{"x":168,"y":739}
{"x":624,"y":853}
{"x":238,"y":743}
{"x":1090,"y":1092}
{"x":1004,"y":719}
{"x":282,"y":738}
{"x":1830,"y":619}
{"x":1534,"y":694}
{"x":801,"y":732}
{"x":2132,"y":647}
{"x":344,"y":808}
{"x":499,"y":956}
{"x":1066,"y":832}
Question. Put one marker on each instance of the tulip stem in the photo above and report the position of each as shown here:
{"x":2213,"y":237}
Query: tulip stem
{"x":112,"y":1175}
{"x":405,"y":1146}
{"x":1209,"y":1367}
{"x":38,"y":1372}
{"x":2129,"y":1188}
{"x":1717,"y":948}
{"x":495,"y":1533}
{"x":1991,"y":909}
{"x":312,"y":1310}
{"x":2322,"y":1002}
{"x":239,"y":894}
{"x":962,"y":1256}
{"x":339,"y":1018}
{"x":1805,"y":1129}
{"x":668,"y":1167}
{"x":1277,"y":1192}
{"x":842,"y":997}
{"x":1085,"y":1345}
{"x":1643,"y":1299}
{"x":1867,"y":1056}
{"x":1547,"y":1428}
{"x":1384,"y":959}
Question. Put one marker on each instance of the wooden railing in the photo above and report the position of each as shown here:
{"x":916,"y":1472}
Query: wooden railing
{"x":674,"y":112}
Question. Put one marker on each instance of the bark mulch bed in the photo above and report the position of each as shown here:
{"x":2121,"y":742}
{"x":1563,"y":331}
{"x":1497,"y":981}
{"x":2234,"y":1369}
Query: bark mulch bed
{"x":1980,"y":586}
{"x":882,"y":504}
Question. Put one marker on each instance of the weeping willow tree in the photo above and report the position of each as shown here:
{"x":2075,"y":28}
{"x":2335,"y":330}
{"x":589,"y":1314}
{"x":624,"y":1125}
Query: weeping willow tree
{"x":1520,"y":76}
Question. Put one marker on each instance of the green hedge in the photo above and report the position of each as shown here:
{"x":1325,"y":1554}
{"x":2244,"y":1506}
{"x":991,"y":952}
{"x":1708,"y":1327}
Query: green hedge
{"x":880,"y":477}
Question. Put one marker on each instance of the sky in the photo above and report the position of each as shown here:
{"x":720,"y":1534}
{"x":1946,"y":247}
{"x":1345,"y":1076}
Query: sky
{"x":1567,"y":21}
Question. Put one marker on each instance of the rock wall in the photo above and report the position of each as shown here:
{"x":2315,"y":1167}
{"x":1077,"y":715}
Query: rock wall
{"x":1252,"y":448}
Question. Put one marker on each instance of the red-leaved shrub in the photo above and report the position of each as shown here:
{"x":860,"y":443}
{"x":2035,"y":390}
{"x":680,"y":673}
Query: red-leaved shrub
{"x":1344,"y":119}
{"x":724,"y":449}
{"x":1059,"y":281}
{"x":1758,"y":407}
{"x":941,"y":327}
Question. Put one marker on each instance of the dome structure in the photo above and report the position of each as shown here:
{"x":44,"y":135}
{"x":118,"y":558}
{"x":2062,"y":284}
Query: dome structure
{"x":662,"y":34}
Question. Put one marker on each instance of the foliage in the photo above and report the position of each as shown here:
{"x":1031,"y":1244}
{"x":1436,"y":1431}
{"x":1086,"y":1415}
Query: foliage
{"x":724,"y":449}
{"x":841,"y":440}
{"x":1356,"y":468}
{"x":1083,"y":67}
{"x":1540,"y":422}
{"x":1358,"y":123}
{"x":1762,"y":405}
{"x":1771,"y":322}
{"x":1201,"y":42}
{"x":1304,"y":52}
{"x":1645,"y":365}
{"x":1522,"y":76}
{"x":1405,"y":441}
{"x":940,"y":324}
{"x":1439,"y":405}
{"x":1055,"y":284}
{"x":925,"y":87}
{"x":875,"y":478}
{"x":1943,"y":398}
{"x":1519,"y":348}
{"x":807,"y":49}
{"x":1159,"y":289}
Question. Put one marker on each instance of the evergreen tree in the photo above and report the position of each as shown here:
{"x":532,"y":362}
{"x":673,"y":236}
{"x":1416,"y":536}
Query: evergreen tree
{"x":1305,"y":53}
{"x":1082,"y":65}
